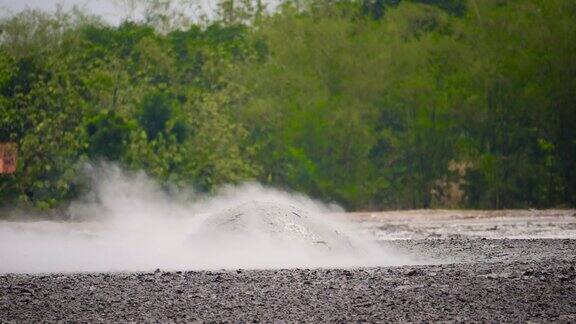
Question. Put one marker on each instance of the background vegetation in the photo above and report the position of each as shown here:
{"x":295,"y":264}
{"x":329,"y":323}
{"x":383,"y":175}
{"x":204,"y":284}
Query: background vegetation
{"x":375,"y":104}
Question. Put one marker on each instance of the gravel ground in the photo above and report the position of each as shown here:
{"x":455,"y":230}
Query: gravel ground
{"x":464,"y":279}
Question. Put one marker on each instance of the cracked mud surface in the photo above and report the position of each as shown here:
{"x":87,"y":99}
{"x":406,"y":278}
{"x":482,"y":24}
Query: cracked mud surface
{"x":471,"y":280}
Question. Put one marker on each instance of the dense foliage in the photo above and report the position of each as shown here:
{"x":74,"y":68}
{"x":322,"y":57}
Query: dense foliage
{"x":373,"y":104}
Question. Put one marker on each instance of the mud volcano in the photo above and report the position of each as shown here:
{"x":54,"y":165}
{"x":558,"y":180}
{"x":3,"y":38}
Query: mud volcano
{"x":273,"y":222}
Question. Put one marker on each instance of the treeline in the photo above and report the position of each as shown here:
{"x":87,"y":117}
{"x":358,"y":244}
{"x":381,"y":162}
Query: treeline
{"x":375,"y":104}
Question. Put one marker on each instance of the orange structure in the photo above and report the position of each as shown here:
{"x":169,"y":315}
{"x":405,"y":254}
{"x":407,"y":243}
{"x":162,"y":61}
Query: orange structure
{"x":8,"y":158}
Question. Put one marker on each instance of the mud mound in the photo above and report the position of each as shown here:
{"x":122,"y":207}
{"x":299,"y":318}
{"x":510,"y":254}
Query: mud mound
{"x":273,"y":222}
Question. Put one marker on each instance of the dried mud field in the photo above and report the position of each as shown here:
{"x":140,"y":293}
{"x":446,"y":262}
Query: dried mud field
{"x":512,"y":266}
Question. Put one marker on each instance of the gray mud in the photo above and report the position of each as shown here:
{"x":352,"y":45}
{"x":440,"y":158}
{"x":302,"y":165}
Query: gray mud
{"x":471,"y":280}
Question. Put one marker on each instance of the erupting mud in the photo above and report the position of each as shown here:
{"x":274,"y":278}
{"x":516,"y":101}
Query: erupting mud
{"x":129,"y":224}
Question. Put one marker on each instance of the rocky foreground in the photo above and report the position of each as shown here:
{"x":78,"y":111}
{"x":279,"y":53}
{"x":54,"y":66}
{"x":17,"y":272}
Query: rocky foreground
{"x":464,"y":280}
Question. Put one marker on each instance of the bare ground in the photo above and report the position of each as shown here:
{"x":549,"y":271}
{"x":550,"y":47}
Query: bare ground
{"x":465,"y":277}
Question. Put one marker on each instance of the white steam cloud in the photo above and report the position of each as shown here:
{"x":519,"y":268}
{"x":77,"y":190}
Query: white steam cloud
{"x":128,"y":223}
